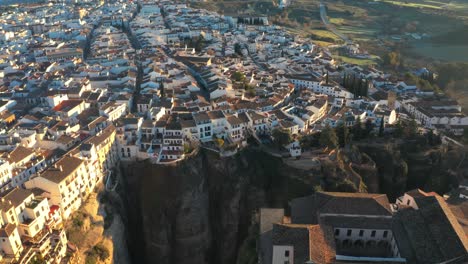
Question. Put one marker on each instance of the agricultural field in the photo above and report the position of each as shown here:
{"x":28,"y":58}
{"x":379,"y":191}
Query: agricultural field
{"x":428,"y":28}
{"x":361,"y":62}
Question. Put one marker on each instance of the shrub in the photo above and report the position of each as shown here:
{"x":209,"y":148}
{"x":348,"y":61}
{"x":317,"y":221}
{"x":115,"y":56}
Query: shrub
{"x":98,"y":252}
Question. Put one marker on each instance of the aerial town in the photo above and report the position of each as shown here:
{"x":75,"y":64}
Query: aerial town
{"x":86,"y":86}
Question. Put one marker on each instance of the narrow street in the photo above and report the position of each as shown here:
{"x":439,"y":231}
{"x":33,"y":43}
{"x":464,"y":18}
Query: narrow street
{"x":136,"y":45}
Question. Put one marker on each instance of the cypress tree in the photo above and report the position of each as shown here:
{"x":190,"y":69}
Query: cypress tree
{"x":357,"y":129}
{"x":366,"y":88}
{"x":161,"y":89}
{"x":381,"y":128}
{"x":360,"y":87}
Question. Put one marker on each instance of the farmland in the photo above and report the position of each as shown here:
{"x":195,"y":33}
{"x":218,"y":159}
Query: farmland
{"x":416,"y":27}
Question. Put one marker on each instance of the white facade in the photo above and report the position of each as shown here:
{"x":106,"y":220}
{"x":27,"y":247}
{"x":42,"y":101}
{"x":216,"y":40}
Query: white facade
{"x":283,"y":254}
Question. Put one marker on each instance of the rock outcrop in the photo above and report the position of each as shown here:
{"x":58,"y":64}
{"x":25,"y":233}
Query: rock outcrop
{"x":201,"y":210}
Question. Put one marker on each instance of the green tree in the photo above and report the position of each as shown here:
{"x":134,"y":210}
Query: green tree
{"x":345,"y":80}
{"x":38,"y":259}
{"x":309,"y":141}
{"x":200,"y":43}
{"x":250,"y":90}
{"x":411,"y":129}
{"x":98,"y":252}
{"x":392,"y":59}
{"x":381,"y":127}
{"x":365,"y":88}
{"x":357,"y":130}
{"x":238,"y":49}
{"x":398,"y":131}
{"x":342,"y":131}
{"x":328,"y":137}
{"x":369,"y":126}
{"x":465,"y":135}
{"x":238,"y":76}
{"x":162,"y":92}
{"x":281,"y":137}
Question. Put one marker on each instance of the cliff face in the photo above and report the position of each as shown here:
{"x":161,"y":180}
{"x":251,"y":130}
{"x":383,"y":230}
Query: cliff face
{"x":403,"y":166}
{"x":200,"y":210}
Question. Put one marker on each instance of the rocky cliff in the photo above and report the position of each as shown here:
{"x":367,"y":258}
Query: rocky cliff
{"x":406,"y":165}
{"x":200,"y":210}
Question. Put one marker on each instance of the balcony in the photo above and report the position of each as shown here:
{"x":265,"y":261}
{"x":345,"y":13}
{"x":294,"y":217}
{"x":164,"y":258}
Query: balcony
{"x":33,"y":204}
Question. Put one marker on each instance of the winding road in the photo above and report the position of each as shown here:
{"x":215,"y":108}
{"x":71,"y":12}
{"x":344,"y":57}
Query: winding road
{"x":329,"y":26}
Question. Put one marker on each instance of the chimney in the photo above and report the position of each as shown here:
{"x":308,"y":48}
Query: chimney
{"x":61,"y":168}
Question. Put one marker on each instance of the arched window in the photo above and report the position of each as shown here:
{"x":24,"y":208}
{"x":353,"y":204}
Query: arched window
{"x":359,"y":243}
{"x":346,"y":243}
{"x":382,"y":244}
{"x":370,"y":243}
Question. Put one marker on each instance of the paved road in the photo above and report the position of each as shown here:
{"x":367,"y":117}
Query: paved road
{"x":329,"y":26}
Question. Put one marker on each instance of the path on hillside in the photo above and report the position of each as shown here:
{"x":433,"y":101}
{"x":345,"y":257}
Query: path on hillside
{"x":329,"y":26}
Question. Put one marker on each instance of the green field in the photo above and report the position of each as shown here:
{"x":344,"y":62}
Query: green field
{"x":375,"y":25}
{"x":455,"y":53}
{"x":361,"y":62}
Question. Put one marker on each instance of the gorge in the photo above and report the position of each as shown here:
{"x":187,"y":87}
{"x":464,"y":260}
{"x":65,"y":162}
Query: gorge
{"x":203,"y":209}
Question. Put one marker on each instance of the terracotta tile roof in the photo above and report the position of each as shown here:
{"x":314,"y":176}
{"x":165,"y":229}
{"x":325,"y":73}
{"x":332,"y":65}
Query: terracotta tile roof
{"x":215,"y":114}
{"x":419,"y":193}
{"x":19,"y":154}
{"x":17,"y":196}
{"x":64,"y":139}
{"x":293,"y":235}
{"x":353,"y":203}
{"x":430,"y":234}
{"x":101,"y":137}
{"x":7,"y":230}
{"x":63,"y":169}
{"x":67,"y":105}
{"x":234,"y":120}
{"x":321,"y":244}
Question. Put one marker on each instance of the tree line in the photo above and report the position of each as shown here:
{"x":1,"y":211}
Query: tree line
{"x":342,"y":135}
{"x":355,"y":84}
{"x":250,"y":21}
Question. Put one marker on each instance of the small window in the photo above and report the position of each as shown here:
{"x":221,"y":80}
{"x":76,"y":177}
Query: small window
{"x":286,"y":253}
{"x":408,"y":202}
{"x":337,"y":232}
{"x":349,"y":232}
{"x":361,"y":233}
{"x":385,"y":233}
{"x":373,"y":233}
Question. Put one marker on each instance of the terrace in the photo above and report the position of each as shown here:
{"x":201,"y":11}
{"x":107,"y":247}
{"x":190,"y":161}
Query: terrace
{"x":33,"y":204}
